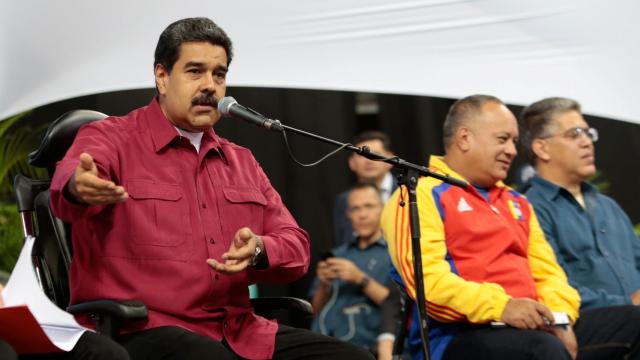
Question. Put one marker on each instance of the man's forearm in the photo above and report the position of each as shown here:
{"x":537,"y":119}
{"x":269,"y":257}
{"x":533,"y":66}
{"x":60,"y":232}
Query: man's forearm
{"x":375,"y":291}
{"x":321,"y":297}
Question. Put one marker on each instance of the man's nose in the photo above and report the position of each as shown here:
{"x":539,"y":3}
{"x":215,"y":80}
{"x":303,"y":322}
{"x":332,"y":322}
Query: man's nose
{"x":585,"y":140}
{"x":511,"y":149}
{"x":208,"y":83}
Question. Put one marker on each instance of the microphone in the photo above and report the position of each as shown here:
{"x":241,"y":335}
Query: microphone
{"x":229,"y":107}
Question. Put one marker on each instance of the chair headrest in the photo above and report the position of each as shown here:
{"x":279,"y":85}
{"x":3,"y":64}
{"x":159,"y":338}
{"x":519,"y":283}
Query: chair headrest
{"x":59,"y":137}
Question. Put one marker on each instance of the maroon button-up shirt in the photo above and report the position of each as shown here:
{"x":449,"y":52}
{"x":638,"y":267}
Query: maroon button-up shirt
{"x":184,"y":207}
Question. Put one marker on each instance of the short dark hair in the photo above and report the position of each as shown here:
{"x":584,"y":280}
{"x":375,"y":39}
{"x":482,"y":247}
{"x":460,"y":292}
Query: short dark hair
{"x":365,"y":185}
{"x":370,"y":135}
{"x":460,"y":111}
{"x":538,"y":118}
{"x":189,"y":30}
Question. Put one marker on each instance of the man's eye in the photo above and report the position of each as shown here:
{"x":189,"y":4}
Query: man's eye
{"x":194,"y":71}
{"x":574,"y":133}
{"x":221,"y":74}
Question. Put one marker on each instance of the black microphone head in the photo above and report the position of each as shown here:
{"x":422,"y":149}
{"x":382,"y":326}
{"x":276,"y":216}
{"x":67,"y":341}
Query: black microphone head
{"x":224,"y":105}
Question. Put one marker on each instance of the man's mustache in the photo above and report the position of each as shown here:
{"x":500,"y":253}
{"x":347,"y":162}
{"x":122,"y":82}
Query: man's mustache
{"x":207,"y":99}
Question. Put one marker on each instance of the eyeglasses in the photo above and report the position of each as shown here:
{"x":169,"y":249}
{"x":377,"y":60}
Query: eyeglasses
{"x":574,"y":134}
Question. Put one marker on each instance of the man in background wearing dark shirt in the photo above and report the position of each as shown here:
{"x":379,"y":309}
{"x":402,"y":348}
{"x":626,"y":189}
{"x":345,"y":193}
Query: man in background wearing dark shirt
{"x":166,"y":211}
{"x":353,"y":282}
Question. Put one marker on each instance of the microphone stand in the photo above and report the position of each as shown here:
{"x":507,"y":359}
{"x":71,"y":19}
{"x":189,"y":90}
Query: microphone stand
{"x":409,"y":174}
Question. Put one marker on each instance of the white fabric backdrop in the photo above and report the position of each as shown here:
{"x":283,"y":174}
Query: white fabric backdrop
{"x":519,"y":51}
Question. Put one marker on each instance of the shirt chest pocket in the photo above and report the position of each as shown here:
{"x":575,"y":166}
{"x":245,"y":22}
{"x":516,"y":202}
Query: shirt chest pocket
{"x":159,"y":214}
{"x":243,"y":207}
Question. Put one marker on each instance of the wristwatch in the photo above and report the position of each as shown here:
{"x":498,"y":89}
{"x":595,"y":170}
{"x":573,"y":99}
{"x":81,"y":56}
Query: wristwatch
{"x":258,"y":251}
{"x":365,"y":281}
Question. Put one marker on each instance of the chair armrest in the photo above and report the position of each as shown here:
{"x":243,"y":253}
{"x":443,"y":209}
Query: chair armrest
{"x":266,"y":305}
{"x":125,"y":310}
{"x":110,"y":314}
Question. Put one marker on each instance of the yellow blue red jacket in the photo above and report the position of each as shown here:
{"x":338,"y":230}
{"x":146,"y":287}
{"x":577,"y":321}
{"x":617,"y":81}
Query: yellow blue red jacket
{"x":477,"y":253}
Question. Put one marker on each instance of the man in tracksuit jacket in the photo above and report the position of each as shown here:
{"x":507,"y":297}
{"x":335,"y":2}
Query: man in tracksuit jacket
{"x":485,"y":258}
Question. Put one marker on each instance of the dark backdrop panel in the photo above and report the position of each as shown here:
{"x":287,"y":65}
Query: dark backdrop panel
{"x":618,"y":160}
{"x":414,"y":124}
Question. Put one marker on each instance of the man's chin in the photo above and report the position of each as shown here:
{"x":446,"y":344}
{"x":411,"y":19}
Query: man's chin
{"x":491,"y":181}
{"x":588,"y":171}
{"x":203,"y":122}
{"x":364,"y":233}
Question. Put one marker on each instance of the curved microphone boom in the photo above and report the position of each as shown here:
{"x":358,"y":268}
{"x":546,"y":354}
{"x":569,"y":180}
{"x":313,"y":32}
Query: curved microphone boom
{"x":229,"y":107}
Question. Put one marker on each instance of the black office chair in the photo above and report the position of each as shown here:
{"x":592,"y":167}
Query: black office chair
{"x":51,"y":254}
{"x":403,"y":317}
{"x":52,"y":251}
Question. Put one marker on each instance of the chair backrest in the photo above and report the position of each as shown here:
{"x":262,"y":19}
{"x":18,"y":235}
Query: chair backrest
{"x":52,"y":250}
{"x":59,"y":137}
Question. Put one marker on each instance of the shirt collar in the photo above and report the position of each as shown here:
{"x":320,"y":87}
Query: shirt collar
{"x":588,"y":188}
{"x":387,"y":183}
{"x":163,"y":131}
{"x":386,"y":188}
{"x":548,"y":189}
{"x":551,"y":191}
{"x":380,"y":241}
{"x":194,"y":138}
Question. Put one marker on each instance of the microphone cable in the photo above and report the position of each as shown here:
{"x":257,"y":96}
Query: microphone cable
{"x":292,"y":157}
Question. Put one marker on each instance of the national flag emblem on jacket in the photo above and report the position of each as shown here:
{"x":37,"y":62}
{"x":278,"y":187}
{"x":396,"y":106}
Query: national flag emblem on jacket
{"x":516,"y":211}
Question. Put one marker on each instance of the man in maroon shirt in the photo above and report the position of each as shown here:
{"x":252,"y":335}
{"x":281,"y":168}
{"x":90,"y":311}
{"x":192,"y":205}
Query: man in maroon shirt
{"x":165,"y":211}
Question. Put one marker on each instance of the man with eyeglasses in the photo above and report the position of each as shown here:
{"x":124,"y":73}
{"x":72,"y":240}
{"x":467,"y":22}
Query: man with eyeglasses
{"x":353,"y":279}
{"x":591,"y":235}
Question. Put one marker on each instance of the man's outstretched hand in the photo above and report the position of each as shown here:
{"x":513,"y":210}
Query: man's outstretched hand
{"x":86,"y":187}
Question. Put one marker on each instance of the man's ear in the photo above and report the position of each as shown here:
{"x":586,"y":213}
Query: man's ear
{"x":541,"y":149}
{"x":463,"y":138}
{"x":352,"y":162}
{"x":162,"y":77}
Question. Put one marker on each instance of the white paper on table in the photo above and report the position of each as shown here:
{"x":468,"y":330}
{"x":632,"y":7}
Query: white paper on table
{"x":23,"y":288}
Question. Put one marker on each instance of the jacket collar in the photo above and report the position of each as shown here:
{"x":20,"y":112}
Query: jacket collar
{"x":437,"y":164}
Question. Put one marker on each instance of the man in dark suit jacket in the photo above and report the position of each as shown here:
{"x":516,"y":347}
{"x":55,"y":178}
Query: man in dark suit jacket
{"x":367,"y":171}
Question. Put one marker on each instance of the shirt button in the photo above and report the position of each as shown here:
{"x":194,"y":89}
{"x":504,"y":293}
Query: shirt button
{"x":226,"y":325}
{"x":212,"y":241}
{"x":204,"y":206}
{"x":603,"y":230}
{"x":606,"y":253}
